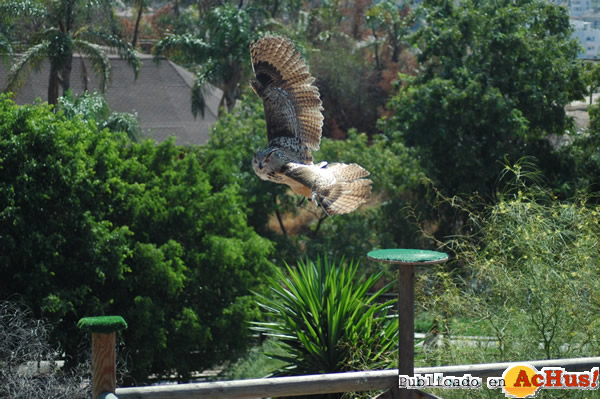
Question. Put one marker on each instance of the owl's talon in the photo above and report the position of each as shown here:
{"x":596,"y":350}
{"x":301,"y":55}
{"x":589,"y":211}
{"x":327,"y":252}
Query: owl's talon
{"x":314,"y":197}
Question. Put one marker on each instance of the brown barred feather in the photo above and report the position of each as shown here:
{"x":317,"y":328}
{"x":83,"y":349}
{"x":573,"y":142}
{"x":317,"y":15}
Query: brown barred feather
{"x":348,"y":172}
{"x":294,"y":122}
{"x":350,"y":191}
{"x":292,"y":103}
{"x":345,"y":197}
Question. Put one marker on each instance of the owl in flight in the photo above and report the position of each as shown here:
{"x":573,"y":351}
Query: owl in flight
{"x":294,"y":121}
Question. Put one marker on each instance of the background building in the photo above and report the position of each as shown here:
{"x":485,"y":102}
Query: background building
{"x":161,"y":96}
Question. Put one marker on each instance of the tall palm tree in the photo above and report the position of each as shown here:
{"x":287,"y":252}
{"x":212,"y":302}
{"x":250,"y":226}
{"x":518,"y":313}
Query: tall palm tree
{"x":140,"y":6}
{"x":6,"y":51}
{"x":218,"y":53}
{"x":65,"y":27}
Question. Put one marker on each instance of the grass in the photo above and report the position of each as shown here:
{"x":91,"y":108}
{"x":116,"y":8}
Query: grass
{"x":256,"y":364}
{"x":459,"y":326}
{"x":423,"y":322}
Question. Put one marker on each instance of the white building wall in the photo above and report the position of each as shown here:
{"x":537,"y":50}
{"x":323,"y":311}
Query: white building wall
{"x":578,"y":8}
{"x":589,"y":38}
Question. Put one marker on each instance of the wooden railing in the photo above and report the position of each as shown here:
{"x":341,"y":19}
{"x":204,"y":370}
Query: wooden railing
{"x":330,"y":383}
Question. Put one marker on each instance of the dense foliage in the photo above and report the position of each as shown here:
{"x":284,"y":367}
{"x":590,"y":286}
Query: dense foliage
{"x":93,"y":106}
{"x":529,"y":281}
{"x":496,"y":76}
{"x":91,"y":223}
{"x":577,"y":169}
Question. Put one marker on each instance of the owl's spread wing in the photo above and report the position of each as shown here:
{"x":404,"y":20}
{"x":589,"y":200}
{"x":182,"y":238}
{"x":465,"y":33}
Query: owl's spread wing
{"x":291,"y":101}
{"x":300,"y":178}
{"x":303,"y":175}
{"x":339,"y":188}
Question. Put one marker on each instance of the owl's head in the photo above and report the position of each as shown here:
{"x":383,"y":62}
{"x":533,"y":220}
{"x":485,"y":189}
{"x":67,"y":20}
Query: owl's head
{"x":267,"y":161}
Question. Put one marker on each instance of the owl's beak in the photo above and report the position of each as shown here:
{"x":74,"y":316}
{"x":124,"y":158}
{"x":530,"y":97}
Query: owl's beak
{"x":260,"y":165}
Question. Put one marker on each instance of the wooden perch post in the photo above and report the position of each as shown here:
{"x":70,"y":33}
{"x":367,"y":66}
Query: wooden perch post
{"x":103,"y":329}
{"x":406,"y":259}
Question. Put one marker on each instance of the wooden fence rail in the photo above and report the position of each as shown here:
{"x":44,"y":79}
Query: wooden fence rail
{"x":330,"y":383}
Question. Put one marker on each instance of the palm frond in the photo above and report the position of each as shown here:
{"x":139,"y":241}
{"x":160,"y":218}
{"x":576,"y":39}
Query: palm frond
{"x":199,"y":93}
{"x":45,"y":35}
{"x":124,"y":49}
{"x":31,"y":59}
{"x":190,"y":48}
{"x":22,"y":8}
{"x":124,"y":122}
{"x":6,"y":49}
{"x":98,"y":59}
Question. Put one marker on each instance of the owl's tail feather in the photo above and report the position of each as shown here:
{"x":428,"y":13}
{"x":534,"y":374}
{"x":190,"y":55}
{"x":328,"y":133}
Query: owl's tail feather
{"x":349,"y":192}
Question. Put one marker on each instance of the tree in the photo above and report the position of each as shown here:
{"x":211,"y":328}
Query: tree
{"x":591,"y":77}
{"x":394,"y":20}
{"x":218,"y":51}
{"x":65,"y":27}
{"x":141,"y":5}
{"x":348,"y":86}
{"x":92,"y":223}
{"x":286,"y":10}
{"x":6,"y":50}
{"x":577,"y":166}
{"x":495,"y":77}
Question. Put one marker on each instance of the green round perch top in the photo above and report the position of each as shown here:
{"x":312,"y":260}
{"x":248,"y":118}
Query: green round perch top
{"x":102,"y":324}
{"x":408,"y":256}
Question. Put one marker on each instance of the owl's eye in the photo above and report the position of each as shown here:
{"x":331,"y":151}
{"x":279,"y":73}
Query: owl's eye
{"x":267,"y":160}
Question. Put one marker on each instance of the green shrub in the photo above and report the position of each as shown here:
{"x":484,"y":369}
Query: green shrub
{"x":322,"y":315}
{"x":93,"y":106}
{"x":92,"y":223}
{"x":529,"y":280}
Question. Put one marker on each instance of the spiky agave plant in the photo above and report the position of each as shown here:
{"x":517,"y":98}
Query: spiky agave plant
{"x":325,"y":318}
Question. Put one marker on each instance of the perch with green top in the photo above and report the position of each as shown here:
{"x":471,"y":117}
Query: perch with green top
{"x":104,"y":374}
